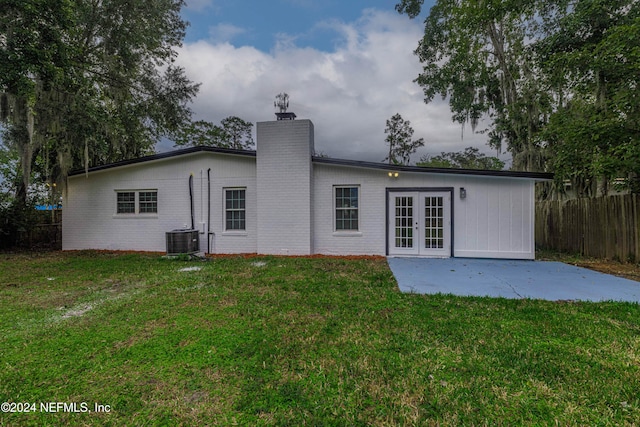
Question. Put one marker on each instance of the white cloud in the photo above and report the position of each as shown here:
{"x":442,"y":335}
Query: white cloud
{"x":198,"y":5}
{"x":348,"y":93}
{"x":224,"y":32}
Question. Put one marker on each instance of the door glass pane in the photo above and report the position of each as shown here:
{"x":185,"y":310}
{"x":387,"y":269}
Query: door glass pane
{"x":404,"y":222}
{"x":433,"y":222}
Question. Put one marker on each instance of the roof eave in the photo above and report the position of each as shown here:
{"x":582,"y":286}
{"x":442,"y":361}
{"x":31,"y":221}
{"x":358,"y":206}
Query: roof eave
{"x":539,"y":176}
{"x":167,"y":155}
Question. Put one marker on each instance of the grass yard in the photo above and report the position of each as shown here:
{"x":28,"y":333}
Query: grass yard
{"x":297,"y":341}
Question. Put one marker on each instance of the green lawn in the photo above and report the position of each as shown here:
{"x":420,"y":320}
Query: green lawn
{"x":298,"y":341}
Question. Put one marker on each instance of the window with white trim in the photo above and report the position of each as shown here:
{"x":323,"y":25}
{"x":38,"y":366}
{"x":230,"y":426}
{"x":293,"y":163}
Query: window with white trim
{"x":137,"y":202}
{"x":126,"y":202}
{"x":346,"y":208}
{"x":235,"y":209}
{"x":148,"y":202}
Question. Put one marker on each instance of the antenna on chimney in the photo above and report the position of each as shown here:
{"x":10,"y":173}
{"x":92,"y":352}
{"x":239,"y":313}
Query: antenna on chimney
{"x":282,"y":103}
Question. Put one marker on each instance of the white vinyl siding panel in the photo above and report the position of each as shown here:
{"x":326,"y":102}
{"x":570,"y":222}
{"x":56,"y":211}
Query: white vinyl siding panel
{"x":496,"y":219}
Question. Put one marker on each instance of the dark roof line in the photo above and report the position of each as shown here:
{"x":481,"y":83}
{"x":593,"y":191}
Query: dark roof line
{"x":400,"y":168}
{"x":167,"y":155}
{"x":322,"y":160}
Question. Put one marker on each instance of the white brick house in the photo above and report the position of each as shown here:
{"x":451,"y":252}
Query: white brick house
{"x":282,"y":200}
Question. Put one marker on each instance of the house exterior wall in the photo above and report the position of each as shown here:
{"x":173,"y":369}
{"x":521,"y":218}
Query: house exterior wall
{"x":370,"y":238}
{"x":89,"y":216}
{"x":285,"y":187}
{"x":290,"y":203}
{"x":495,"y":220}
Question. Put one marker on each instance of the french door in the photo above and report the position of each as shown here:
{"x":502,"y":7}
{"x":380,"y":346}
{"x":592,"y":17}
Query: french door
{"x":420,"y":223}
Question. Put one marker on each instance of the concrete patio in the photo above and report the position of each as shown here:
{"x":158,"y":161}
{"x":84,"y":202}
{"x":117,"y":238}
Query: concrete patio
{"x":545,"y":280}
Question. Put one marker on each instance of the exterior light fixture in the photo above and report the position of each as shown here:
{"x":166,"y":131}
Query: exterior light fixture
{"x":463,"y":193}
{"x":393,"y":174}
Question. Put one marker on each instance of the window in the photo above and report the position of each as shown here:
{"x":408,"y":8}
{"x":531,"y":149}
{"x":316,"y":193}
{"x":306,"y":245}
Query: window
{"x":137,"y":202}
{"x":346,"y":203}
{"x":126,"y":202}
{"x":234,"y":207}
{"x":148,"y":202}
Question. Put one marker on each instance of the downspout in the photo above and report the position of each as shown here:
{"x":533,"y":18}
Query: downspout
{"x":201,"y":199}
{"x":191,"y":200}
{"x":209,"y":211}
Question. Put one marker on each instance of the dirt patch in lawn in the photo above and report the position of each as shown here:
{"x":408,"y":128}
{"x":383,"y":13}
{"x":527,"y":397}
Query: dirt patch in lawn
{"x":627,"y":270}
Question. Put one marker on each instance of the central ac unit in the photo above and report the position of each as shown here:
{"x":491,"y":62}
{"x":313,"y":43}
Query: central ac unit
{"x":182,"y":242}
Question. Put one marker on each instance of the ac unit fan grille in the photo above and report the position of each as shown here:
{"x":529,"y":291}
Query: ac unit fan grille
{"x":182,"y":242}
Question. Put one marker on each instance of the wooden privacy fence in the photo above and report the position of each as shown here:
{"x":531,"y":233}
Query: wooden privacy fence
{"x":604,"y":227}
{"x":42,"y":235}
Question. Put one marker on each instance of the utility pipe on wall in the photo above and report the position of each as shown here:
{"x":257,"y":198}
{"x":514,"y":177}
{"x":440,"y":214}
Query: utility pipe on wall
{"x":191,"y":200}
{"x":209,"y":211}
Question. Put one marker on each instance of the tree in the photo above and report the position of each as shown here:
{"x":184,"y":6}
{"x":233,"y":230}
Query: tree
{"x":233,"y":132}
{"x":33,"y":55}
{"x":557,"y":80}
{"x":399,"y":133}
{"x":200,"y":133}
{"x":85,"y":82}
{"x":594,"y":60}
{"x":471,"y":158}
{"x":16,"y":216}
{"x":238,"y":131}
{"x":477,"y":53}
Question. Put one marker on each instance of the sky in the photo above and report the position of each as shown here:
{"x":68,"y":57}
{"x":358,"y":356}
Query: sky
{"x":347,"y":65}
